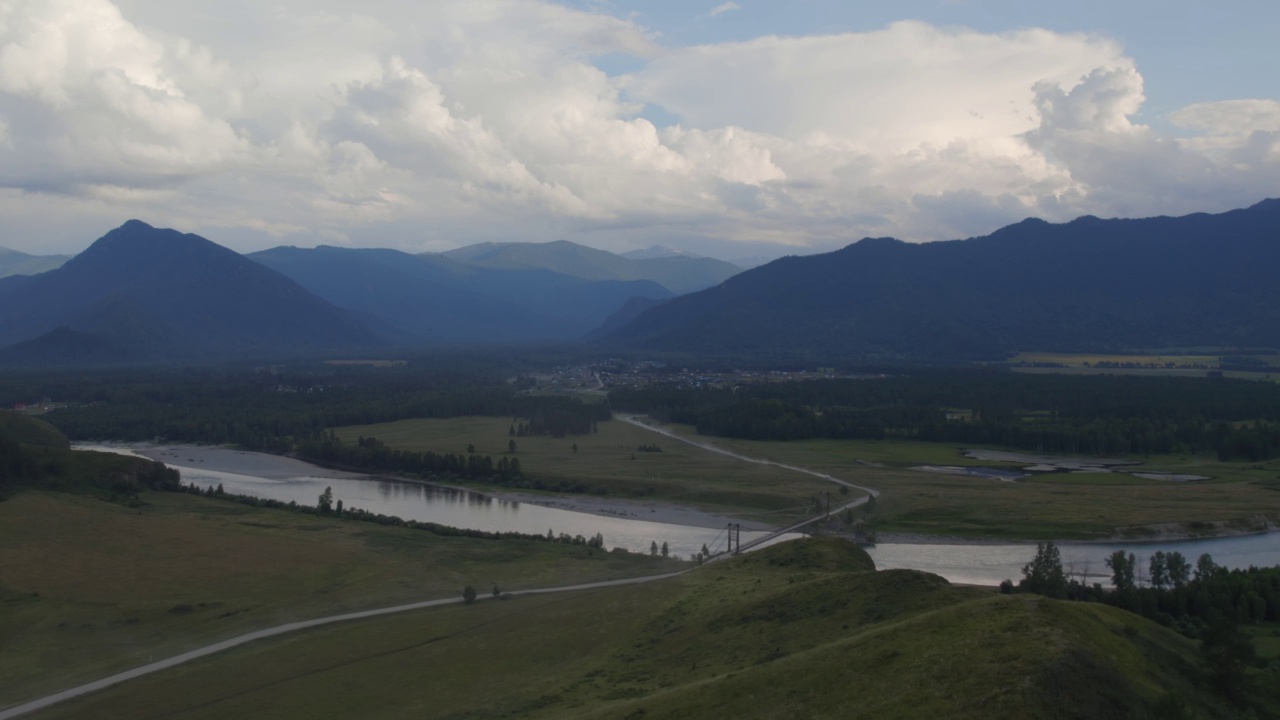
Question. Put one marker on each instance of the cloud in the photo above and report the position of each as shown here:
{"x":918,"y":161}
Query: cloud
{"x":428,"y":125}
{"x":723,"y":8}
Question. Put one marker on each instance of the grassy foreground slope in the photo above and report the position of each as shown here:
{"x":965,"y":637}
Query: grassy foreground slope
{"x":90,"y":587}
{"x":805,"y":629}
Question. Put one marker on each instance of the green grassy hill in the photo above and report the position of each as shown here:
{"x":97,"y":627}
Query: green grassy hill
{"x":21,"y":428}
{"x":805,"y":629}
{"x":33,"y":453}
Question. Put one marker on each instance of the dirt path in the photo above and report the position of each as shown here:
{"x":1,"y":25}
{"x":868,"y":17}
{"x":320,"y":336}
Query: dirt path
{"x":48,"y":700}
{"x":634,"y":420}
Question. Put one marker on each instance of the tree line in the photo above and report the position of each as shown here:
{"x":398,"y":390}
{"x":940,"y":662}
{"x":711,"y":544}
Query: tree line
{"x":291,"y":411}
{"x":1202,"y":601}
{"x":1234,"y":419}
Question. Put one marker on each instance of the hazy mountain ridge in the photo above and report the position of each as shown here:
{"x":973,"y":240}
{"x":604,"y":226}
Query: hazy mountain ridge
{"x":656,"y":251}
{"x":436,"y":300}
{"x":1090,"y":284}
{"x":13,"y":262}
{"x":678,"y":272}
{"x":147,"y":293}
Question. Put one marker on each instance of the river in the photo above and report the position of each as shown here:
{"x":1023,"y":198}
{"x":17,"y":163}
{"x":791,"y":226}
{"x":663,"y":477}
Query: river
{"x":267,"y":476}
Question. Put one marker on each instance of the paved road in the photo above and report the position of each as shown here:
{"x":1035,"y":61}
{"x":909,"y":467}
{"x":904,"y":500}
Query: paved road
{"x":107,"y":682}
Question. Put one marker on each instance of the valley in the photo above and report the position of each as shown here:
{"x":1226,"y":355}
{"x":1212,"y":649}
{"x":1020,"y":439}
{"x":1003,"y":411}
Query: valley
{"x":373,"y":431}
{"x":568,"y":359}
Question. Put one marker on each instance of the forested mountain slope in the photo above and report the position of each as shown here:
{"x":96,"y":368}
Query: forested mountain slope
{"x":1086,"y":285}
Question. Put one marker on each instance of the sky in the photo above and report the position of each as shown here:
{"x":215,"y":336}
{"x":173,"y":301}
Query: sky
{"x":731,"y":129}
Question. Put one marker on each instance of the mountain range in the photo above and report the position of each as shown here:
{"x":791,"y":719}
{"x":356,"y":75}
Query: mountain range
{"x":1086,"y":285}
{"x":678,"y":273}
{"x":13,"y":262}
{"x":435,"y":300}
{"x":144,"y":294}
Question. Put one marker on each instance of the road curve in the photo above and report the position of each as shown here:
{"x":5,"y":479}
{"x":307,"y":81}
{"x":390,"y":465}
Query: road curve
{"x":634,"y":420}
{"x":48,"y":700}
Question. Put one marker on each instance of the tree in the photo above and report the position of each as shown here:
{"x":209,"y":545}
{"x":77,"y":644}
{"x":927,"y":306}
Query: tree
{"x":338,"y":509}
{"x":468,"y":595}
{"x":1227,"y":651}
{"x":653,"y":547}
{"x":1122,"y":569}
{"x":1177,"y":569}
{"x":665,"y":550}
{"x":1205,"y":567}
{"x":1159,"y":570}
{"x":496,"y":591}
{"x":471,"y":448}
{"x":1044,"y":575}
{"x":511,"y":445}
{"x":575,"y":448}
{"x":325,"y":502}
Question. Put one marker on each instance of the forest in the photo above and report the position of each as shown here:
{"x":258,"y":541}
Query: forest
{"x":290,"y":411}
{"x":1232,"y":419}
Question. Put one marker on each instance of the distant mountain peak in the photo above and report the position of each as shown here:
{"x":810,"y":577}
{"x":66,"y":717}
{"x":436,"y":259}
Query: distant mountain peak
{"x":657,"y":251}
{"x":163,"y":293}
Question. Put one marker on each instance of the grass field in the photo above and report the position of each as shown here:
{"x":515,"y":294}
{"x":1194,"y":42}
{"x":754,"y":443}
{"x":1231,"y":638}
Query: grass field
{"x":1057,"y":506}
{"x":800,"y":630}
{"x":1166,"y":365}
{"x":608,"y":463}
{"x":88,"y":587}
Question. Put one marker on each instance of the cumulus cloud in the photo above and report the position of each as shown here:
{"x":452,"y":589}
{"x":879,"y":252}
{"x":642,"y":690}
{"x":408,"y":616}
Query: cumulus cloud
{"x":428,"y":125}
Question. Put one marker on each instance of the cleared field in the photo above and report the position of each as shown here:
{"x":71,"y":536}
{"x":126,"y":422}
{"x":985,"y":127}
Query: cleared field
{"x":1073,"y":359}
{"x":610,"y":463}
{"x":88,"y":588}
{"x":1148,"y":365}
{"x":1058,"y":506}
{"x":801,"y":630}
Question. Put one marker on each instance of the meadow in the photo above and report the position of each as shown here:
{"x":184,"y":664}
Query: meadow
{"x":1063,"y":506}
{"x":89,"y":587}
{"x":1155,"y":365}
{"x":610,"y":463}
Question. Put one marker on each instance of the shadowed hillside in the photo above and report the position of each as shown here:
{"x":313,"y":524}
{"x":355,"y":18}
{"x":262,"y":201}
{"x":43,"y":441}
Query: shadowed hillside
{"x":142,"y":293}
{"x":1086,"y":285}
{"x":805,"y":629}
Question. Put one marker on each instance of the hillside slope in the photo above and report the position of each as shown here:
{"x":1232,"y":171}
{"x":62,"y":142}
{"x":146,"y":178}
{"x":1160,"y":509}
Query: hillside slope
{"x":805,"y":629}
{"x":144,"y":293}
{"x":1086,"y":285}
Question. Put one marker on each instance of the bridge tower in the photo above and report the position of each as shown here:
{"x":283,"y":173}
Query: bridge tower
{"x":735,"y":538}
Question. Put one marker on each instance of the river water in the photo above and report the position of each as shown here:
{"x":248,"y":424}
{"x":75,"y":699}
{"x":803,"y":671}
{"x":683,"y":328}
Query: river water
{"x":977,"y":563}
